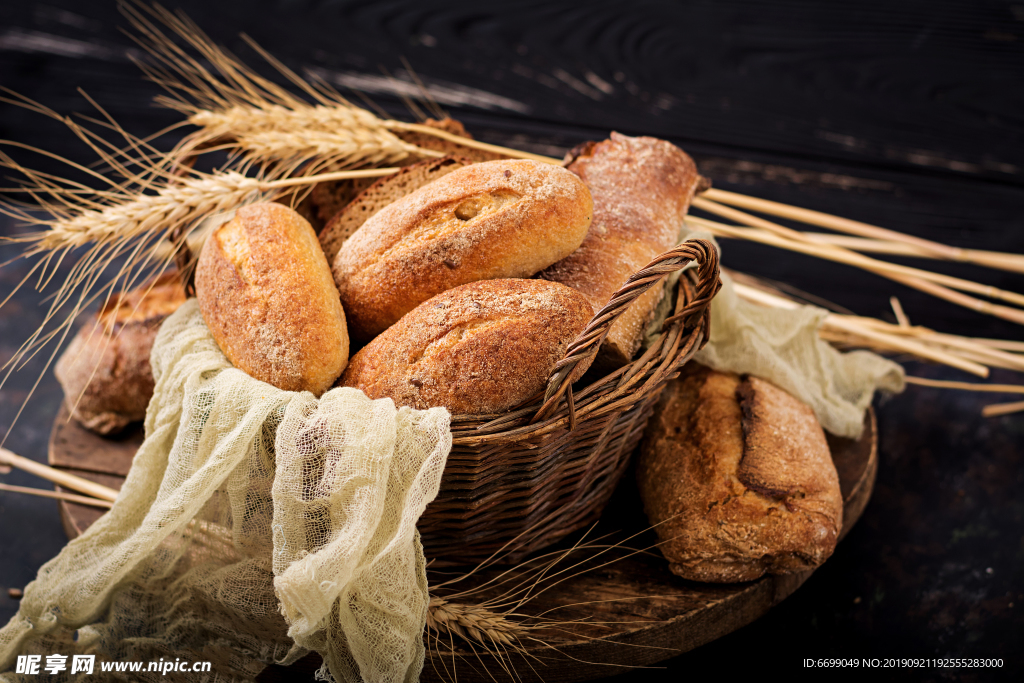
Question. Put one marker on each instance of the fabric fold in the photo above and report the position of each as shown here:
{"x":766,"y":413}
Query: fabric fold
{"x":255,"y":525}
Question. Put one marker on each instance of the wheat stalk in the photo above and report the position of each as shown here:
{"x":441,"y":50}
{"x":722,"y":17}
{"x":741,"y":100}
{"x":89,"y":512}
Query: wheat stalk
{"x":913,"y":245}
{"x":292,"y":137}
{"x":184,"y":203}
{"x":936,"y":284}
{"x":260,"y":122}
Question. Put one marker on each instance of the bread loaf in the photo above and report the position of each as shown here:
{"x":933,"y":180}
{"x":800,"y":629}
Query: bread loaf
{"x":642,"y":188}
{"x":105,"y":371}
{"x":496,"y":219}
{"x":384,"y":191}
{"x":738,"y":477}
{"x":266,"y":292}
{"x":480,"y":348}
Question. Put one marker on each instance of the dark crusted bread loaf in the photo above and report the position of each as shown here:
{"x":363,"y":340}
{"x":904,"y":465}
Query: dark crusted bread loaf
{"x":480,"y":348}
{"x":105,"y":371}
{"x":495,"y":219}
{"x":383,"y":192}
{"x":738,"y":477}
{"x":642,"y":188}
{"x":266,"y":292}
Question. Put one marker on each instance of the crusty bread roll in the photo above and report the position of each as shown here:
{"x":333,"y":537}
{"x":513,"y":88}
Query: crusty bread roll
{"x":266,"y":292}
{"x":105,"y":371}
{"x":738,"y":477}
{"x":642,"y":188}
{"x":496,"y":219}
{"x":480,"y":348}
{"x":384,"y":191}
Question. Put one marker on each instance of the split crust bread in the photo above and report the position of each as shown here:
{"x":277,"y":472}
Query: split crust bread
{"x":382,"y":192}
{"x":495,"y":219}
{"x":265,"y":291}
{"x":480,"y":348}
{"x":105,"y":371}
{"x":738,"y":476}
{"x":642,"y":188}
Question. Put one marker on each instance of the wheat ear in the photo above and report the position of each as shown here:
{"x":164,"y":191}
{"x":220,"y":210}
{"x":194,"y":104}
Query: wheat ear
{"x":258,"y":121}
{"x":472,"y":623}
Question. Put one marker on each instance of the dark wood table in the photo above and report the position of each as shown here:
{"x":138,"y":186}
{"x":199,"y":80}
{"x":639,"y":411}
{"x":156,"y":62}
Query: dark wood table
{"x":899,"y":113}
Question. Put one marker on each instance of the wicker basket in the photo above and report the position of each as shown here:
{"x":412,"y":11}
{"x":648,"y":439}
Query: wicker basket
{"x":520,"y":481}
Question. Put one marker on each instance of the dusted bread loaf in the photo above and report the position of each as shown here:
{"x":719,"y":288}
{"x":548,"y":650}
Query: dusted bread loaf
{"x":496,"y":219}
{"x":266,"y":292}
{"x":642,"y":188}
{"x":480,"y":348}
{"x":738,"y":477}
{"x":105,"y":371}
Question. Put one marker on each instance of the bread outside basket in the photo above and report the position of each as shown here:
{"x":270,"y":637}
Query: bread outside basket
{"x":519,"y":481}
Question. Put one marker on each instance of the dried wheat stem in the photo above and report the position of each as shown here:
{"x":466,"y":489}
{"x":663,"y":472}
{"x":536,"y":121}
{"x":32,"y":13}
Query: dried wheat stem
{"x":345,"y":134}
{"x":341,"y":149}
{"x":997,"y":409}
{"x":966,"y":386}
{"x":894,"y":248}
{"x":58,"y":495}
{"x":850,"y":327}
{"x":467,"y":142}
{"x":65,"y":479}
{"x":238,"y":120}
{"x":920,"y":279}
{"x":472,"y":623}
{"x":182,"y":203}
{"x":771,"y":233}
{"x":1013,"y":262}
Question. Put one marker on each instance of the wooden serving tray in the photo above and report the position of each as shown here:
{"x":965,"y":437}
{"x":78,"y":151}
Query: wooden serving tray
{"x":639,"y":613}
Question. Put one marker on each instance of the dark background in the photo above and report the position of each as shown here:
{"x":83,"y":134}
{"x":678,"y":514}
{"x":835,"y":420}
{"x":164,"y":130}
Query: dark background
{"x":899,"y":113}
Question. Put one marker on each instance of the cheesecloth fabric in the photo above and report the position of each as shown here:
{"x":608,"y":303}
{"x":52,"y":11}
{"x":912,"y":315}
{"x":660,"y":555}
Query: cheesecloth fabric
{"x":255,"y":525}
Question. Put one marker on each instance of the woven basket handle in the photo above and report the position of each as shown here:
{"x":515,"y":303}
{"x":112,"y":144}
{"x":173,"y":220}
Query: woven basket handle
{"x":695,"y":312}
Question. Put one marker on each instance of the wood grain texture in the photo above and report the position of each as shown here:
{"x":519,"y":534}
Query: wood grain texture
{"x":922,"y":85}
{"x":639,"y":612}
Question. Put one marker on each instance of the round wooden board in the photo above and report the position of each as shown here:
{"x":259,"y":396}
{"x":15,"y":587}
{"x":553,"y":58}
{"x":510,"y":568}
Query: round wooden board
{"x":639,"y":613}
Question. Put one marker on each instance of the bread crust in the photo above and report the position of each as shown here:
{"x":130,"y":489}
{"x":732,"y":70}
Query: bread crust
{"x":105,"y":371}
{"x":738,"y":476}
{"x":480,"y":348}
{"x":642,"y":188}
{"x":496,"y":219}
{"x":266,"y":292}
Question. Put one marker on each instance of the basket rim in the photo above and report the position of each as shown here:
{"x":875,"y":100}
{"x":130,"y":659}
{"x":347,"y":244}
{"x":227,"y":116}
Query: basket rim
{"x":561,"y":405}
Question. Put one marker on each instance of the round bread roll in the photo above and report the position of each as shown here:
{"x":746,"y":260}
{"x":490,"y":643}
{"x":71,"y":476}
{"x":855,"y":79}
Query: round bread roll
{"x":738,"y":478}
{"x":266,"y":292}
{"x":496,"y":219}
{"x":480,"y":348}
{"x":105,"y":371}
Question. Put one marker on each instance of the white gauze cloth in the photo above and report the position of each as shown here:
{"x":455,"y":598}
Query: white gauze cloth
{"x":255,"y":525}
